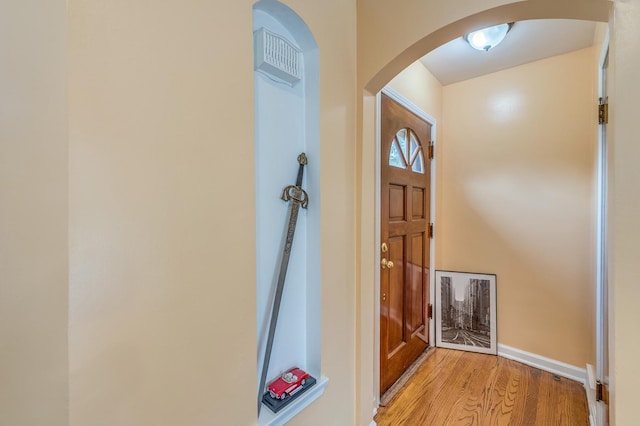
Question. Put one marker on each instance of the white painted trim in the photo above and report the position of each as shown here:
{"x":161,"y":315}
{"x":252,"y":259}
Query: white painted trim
{"x":268,"y":418}
{"x":396,"y":96}
{"x":605,"y":49}
{"x":376,"y":271}
{"x":543,"y":363}
{"x":601,"y":225}
{"x":599,"y":418}
{"x":373,"y":422}
{"x":591,"y":381}
{"x":590,"y":388}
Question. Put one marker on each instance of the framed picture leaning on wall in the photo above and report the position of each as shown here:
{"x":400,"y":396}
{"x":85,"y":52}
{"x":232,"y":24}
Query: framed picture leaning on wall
{"x":466,"y":311}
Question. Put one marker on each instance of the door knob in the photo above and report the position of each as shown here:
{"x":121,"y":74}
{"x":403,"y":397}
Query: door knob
{"x":386,"y":263}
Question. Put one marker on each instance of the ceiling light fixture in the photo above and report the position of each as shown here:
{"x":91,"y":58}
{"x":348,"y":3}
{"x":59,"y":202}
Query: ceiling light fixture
{"x":488,"y":38}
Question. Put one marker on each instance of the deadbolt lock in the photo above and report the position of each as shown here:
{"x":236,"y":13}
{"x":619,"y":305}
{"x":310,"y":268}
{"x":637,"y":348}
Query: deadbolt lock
{"x":386,"y":263}
{"x":384,"y":247}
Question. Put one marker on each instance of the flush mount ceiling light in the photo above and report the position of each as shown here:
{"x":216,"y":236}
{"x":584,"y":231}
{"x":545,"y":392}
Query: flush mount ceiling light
{"x":488,"y":38}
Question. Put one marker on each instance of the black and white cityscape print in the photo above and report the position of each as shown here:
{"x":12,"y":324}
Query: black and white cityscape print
{"x":465,"y":317}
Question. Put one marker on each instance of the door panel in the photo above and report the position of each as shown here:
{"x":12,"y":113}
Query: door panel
{"x":396,"y":203}
{"x":404,"y":278}
{"x":418,"y":203}
{"x":396,"y":295}
{"x":417,"y":282}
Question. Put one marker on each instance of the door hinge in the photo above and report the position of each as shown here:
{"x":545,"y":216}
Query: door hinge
{"x":430,"y":311}
{"x":431,"y":230}
{"x":430,"y":151}
{"x":602,"y":393}
{"x":603,"y":110}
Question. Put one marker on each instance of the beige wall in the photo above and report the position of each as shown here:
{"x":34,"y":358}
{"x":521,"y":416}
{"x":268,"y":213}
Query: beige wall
{"x":162,"y":304}
{"x":333,"y":24}
{"x":518,"y":168}
{"x":162,"y":236}
{"x":418,"y":85}
{"x":33,"y":214}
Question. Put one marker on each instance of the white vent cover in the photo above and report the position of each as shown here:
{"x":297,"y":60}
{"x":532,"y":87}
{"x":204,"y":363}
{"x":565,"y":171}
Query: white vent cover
{"x":277,"y":57}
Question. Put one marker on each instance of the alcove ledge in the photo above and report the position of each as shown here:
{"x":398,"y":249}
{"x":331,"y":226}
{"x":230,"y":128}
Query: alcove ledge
{"x":269,"y":418}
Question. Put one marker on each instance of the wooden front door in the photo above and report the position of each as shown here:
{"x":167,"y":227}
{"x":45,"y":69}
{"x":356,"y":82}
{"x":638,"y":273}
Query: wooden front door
{"x":404,"y":252}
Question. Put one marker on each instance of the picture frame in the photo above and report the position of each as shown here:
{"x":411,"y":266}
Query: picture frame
{"x":466,"y":311}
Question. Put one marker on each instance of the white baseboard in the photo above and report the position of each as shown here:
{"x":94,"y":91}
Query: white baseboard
{"x":543,"y":363}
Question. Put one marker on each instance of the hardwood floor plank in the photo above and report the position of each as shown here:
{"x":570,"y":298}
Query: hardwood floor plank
{"x":461,"y":388}
{"x":438,"y":393}
{"x":546,"y":402}
{"x":472,"y":403}
{"x":496,"y":391}
{"x":524,"y":409}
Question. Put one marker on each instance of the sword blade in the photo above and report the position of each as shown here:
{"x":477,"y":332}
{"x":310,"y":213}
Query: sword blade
{"x":296,"y":201}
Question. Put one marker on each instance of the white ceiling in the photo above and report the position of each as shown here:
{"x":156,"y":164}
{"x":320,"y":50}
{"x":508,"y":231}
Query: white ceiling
{"x":527,"y":41}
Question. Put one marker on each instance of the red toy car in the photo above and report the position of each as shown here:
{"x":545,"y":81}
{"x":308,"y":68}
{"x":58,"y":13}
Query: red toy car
{"x":289,"y":383}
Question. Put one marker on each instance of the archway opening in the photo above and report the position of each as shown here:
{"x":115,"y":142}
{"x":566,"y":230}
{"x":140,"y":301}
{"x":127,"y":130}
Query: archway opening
{"x":377,"y":76}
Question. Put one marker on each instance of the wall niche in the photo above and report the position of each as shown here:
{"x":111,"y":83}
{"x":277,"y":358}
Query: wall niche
{"x":286,"y":124}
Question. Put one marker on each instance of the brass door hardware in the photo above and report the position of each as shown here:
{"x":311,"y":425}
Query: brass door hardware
{"x":386,"y":263}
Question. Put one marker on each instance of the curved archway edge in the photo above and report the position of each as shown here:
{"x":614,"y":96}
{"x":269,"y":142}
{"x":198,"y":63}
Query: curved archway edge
{"x":523,"y":10}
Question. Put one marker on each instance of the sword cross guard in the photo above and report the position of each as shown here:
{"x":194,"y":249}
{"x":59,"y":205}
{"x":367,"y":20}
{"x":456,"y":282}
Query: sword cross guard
{"x":296,"y":194}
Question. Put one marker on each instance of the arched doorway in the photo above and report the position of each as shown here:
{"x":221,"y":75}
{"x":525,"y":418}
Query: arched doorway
{"x":385,"y":54}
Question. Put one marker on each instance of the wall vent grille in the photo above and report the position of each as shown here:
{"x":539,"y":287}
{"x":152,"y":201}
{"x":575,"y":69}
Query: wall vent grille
{"x":277,"y":57}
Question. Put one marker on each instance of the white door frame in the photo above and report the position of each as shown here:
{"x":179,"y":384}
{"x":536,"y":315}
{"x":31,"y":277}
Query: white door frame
{"x":393,"y":94}
{"x":602,"y":310}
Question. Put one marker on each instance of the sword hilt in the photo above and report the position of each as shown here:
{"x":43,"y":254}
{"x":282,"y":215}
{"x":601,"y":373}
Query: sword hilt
{"x":297,"y":194}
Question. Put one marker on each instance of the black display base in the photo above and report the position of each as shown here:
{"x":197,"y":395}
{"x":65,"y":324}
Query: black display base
{"x":276,"y":405}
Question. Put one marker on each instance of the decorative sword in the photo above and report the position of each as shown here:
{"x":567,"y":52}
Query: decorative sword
{"x":298,"y":198}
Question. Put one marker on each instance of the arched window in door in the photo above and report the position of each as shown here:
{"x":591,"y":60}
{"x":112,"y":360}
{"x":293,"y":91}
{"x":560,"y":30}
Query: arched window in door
{"x":406,"y":151}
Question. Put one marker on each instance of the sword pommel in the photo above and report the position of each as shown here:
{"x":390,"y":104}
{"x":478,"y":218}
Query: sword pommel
{"x":302,"y":159}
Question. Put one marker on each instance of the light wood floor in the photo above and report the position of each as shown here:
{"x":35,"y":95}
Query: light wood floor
{"x":463,"y":388}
